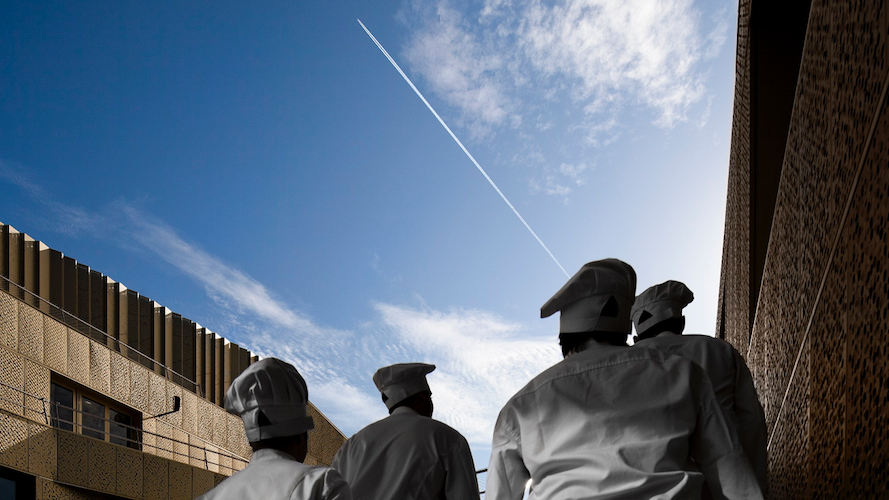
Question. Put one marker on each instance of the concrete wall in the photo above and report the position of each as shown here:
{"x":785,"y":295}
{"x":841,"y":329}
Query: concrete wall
{"x":817,"y":340}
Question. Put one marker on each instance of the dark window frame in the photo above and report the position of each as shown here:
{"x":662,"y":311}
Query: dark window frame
{"x":120,"y":424}
{"x":25,"y":484}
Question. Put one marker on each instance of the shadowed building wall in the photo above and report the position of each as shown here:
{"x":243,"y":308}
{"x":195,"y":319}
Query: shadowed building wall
{"x":804,"y":290}
{"x":66,"y":327}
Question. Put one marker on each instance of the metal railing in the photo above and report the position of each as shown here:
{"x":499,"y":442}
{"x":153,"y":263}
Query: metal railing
{"x":51,"y":413}
{"x":482,"y":477}
{"x":29,"y":298}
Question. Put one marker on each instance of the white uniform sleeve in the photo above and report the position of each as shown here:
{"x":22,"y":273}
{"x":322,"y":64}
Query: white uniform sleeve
{"x":326,"y":484}
{"x":460,"y":480}
{"x":716,"y":449}
{"x":339,"y":460}
{"x":507,"y":474}
{"x":751,"y":422}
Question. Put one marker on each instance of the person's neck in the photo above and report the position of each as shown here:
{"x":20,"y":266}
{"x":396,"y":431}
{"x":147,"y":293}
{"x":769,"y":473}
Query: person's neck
{"x":590,"y":345}
{"x":666,"y":333}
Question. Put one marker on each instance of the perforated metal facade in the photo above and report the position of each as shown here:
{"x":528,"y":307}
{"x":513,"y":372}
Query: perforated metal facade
{"x":809,"y":308}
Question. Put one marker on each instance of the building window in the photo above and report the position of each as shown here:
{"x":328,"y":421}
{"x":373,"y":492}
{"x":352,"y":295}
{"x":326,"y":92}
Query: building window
{"x":77,"y":409}
{"x":16,"y":485}
{"x":62,"y":409}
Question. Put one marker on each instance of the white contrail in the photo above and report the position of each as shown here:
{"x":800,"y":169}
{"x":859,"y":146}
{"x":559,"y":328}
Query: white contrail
{"x":445,"y":125}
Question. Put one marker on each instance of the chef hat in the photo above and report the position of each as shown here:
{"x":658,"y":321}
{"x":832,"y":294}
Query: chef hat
{"x":584,"y":296}
{"x":273,"y":389}
{"x":660,"y":302}
{"x":400,"y":381}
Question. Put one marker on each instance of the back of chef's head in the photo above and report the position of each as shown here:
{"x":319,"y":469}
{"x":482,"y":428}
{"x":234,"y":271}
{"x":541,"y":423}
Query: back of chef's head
{"x":597,"y":299}
{"x":660,"y":306}
{"x":271,"y":398}
{"x":400,"y":381}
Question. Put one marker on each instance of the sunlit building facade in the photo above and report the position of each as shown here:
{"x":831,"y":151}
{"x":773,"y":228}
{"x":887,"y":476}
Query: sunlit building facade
{"x":106,"y":394}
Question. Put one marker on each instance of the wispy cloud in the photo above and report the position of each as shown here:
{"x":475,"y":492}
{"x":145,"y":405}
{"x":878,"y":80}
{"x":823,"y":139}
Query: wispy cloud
{"x":221,"y":280}
{"x":63,"y":218}
{"x":564,"y":67}
{"x":462,"y":72}
{"x":482,"y":360}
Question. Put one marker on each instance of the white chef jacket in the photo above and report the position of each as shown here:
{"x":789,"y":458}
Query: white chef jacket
{"x":407,"y":456}
{"x":275,"y":475}
{"x":733,"y":387}
{"x":617,"y":423}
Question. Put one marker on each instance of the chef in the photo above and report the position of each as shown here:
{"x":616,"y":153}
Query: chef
{"x":407,"y":455}
{"x":609,"y":421}
{"x":657,"y":317}
{"x":270,"y":396}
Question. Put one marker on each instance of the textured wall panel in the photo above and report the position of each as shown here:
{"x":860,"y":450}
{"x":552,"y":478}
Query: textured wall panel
{"x":180,"y":481}
{"x":78,"y":357}
{"x":212,"y":458}
{"x":9,"y":321}
{"x":12,"y":373}
{"x":205,"y":411}
{"x":238,"y":464}
{"x":157,"y":394}
{"x":733,"y":321}
{"x":42,"y":450}
{"x":120,"y":378}
{"x":827,"y":400}
{"x":100,"y":367}
{"x":13,"y":442}
{"x":55,"y":345}
{"x":864,"y":262}
{"x":56,"y":491}
{"x":225,"y":463}
{"x":180,"y":446}
{"x":157,"y":478}
{"x":164,"y":440}
{"x":149,"y":439}
{"x":829,"y":434}
{"x":325,"y":440}
{"x":237,"y":438}
{"x":202,"y":481}
{"x":31,"y":333}
{"x":788,"y":449}
{"x":74,"y":459}
{"x":129,"y":472}
{"x":174,"y":418}
{"x":139,"y":388}
{"x":220,"y":430}
{"x":102,"y":465}
{"x":196,"y":453}
{"x":189,"y":413}
{"x":37,"y":386}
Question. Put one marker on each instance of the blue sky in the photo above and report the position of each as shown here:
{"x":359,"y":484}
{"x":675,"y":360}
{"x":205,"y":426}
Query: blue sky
{"x":267,"y":173}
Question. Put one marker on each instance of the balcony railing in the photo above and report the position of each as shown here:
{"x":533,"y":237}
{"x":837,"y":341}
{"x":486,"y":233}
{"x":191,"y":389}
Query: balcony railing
{"x":29,"y":298}
{"x":39,"y":409}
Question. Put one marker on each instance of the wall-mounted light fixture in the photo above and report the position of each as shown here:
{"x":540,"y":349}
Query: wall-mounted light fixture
{"x":177,"y":404}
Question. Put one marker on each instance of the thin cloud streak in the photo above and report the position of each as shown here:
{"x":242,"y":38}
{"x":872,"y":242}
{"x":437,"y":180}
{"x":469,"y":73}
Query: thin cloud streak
{"x":219,"y":278}
{"x":468,"y":154}
{"x":66,"y":219}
